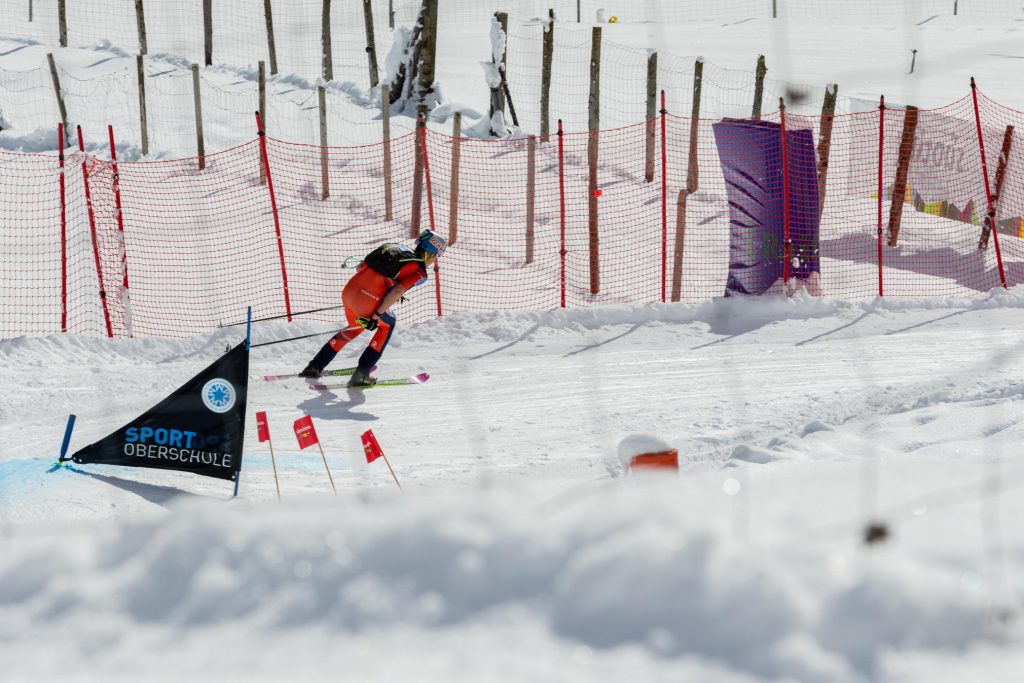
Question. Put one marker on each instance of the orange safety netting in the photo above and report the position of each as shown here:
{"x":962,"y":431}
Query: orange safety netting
{"x":530,"y":226}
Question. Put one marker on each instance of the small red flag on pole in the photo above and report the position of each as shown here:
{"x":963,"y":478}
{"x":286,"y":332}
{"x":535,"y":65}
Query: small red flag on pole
{"x":371,"y":446}
{"x":263,"y":431}
{"x":374,"y":451}
{"x":306,"y":434}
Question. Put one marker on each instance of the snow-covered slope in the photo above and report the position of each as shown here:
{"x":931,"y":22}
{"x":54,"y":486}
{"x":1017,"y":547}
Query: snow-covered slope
{"x":518,"y":548}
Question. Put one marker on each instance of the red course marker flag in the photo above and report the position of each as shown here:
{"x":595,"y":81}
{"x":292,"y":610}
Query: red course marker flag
{"x":370,"y":445}
{"x":262,"y":430}
{"x":306,"y":435}
{"x":374,"y":451}
{"x":304,"y":432}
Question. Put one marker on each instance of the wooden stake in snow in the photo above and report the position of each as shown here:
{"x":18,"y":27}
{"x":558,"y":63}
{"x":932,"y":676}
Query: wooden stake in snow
{"x":417,"y":177}
{"x":759,"y":86}
{"x":499,"y":31}
{"x":652,"y":113}
{"x":453,"y":201}
{"x":680,"y":246}
{"x":385,"y":115}
{"x":140,"y":20}
{"x":531,"y":182}
{"x":371,"y":46}
{"x":427,"y":51}
{"x":57,"y":90}
{"x":62,"y":21}
{"x":692,"y":182}
{"x":899,"y":189}
{"x":692,"y":169}
{"x":268,"y":14}
{"x":594,"y":120}
{"x":197,"y":98}
{"x":548,"y":51}
{"x":262,"y":81}
{"x":208,"y":31}
{"x":1004,"y":157}
{"x":325,"y":41}
{"x":828,"y":110}
{"x":143,"y":120}
{"x":325,"y":191}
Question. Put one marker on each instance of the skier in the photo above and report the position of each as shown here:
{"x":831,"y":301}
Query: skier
{"x":384,"y":276}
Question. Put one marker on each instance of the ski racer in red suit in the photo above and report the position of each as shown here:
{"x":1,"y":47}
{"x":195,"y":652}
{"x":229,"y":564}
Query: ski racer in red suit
{"x":384,"y":276}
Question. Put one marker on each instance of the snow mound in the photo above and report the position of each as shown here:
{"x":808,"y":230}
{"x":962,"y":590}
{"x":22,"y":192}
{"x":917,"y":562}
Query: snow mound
{"x":635,"y":575}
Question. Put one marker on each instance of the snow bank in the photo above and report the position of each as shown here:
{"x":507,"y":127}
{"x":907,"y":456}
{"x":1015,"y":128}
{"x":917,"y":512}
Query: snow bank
{"x":721,"y":315}
{"x":640,"y":581}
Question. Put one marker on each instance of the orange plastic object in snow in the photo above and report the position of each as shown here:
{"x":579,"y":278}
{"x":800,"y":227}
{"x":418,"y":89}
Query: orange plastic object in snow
{"x":649,"y":461}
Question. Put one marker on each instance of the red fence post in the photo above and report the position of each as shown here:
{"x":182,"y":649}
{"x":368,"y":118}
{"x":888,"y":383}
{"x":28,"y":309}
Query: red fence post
{"x":561,"y":201}
{"x":117,"y":204}
{"x":881,"y":147}
{"x":422,"y":125}
{"x":63,"y":232}
{"x":664,"y":202}
{"x":122,"y":246}
{"x":92,"y":230}
{"x":785,"y":194}
{"x":277,"y":221}
{"x":988,"y":192}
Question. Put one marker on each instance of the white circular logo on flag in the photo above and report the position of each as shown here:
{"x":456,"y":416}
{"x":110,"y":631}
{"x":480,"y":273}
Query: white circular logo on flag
{"x":218,"y":395}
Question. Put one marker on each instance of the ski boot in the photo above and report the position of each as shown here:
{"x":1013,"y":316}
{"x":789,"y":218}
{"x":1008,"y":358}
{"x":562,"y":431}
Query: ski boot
{"x":311,"y":371}
{"x":361,"y":379}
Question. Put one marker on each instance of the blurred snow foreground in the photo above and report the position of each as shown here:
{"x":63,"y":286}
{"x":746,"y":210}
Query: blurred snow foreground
{"x":841,"y":513}
{"x":645,"y":579}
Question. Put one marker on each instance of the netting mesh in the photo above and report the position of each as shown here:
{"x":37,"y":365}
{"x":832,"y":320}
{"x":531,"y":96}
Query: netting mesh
{"x":725,"y":216}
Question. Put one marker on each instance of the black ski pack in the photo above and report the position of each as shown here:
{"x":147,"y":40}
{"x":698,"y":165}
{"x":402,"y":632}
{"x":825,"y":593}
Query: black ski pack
{"x":388,"y":259}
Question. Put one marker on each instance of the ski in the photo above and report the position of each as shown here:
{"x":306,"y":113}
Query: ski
{"x":340,"y":372}
{"x":415,"y":379}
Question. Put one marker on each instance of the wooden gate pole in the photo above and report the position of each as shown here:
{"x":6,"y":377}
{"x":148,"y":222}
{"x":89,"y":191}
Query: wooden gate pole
{"x":453,"y":201}
{"x":371,"y":46}
{"x":268,"y":15}
{"x":594,"y":125}
{"x":140,"y":20}
{"x":652,"y":113}
{"x":325,"y":188}
{"x":198,"y":103}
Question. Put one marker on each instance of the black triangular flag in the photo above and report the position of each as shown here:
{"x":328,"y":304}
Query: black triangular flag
{"x":198,"y":428}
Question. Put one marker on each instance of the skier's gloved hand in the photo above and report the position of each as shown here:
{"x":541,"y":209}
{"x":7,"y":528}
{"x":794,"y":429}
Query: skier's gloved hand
{"x":368,"y":323}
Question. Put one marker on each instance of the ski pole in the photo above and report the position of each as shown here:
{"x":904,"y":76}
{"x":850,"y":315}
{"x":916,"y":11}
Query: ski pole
{"x":285,"y":315}
{"x":305,"y":336}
